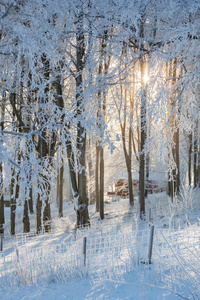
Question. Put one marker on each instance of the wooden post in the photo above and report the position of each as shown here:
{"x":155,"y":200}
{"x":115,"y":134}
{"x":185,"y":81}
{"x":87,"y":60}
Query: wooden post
{"x":84,"y":249}
{"x":151,"y":244}
{"x":17,"y":253}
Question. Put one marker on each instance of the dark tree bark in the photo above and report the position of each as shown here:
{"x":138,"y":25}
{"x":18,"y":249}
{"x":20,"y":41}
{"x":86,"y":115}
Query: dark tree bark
{"x":198,"y":167}
{"x":97,"y":177}
{"x":128,"y":161}
{"x":60,"y":104}
{"x":143,"y":68}
{"x":26,"y":220}
{"x":30,"y":200}
{"x":190,"y":160}
{"x":14,"y":191}
{"x":44,"y":192}
{"x":82,"y":200}
{"x":26,"y":217}
{"x":174,"y":178}
{"x":57,"y":186}
{"x":39,"y":213}
{"x":13,"y":199}
{"x":142,"y":140}
{"x":123,"y":125}
{"x":101,"y":198}
{"x":47,"y":211}
{"x":46,"y":149}
{"x":12,"y":205}
{"x":30,"y":100}
{"x":61,"y":190}
{"x":101,"y":114}
{"x":81,"y":206}
{"x":78,"y":188}
{"x":2,"y":218}
{"x":176,"y":135}
{"x":177,"y":161}
{"x":99,"y":181}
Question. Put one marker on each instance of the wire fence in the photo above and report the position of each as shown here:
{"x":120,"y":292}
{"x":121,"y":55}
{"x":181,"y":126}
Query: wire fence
{"x":113,"y":252}
{"x":110,"y":249}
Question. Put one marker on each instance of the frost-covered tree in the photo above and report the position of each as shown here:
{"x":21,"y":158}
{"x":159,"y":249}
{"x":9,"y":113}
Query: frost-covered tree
{"x":55,"y":78}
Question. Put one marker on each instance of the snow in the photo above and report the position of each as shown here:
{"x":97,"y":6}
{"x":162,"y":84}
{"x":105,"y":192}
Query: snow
{"x":54,"y":51}
{"x":82,"y":289}
{"x":51,"y":266}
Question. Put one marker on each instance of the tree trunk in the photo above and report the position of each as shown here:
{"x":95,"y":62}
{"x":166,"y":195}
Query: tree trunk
{"x":46,"y":147}
{"x":2,"y":218}
{"x":12,"y":189}
{"x":190,"y":160}
{"x":83,"y":215}
{"x":47,"y":213}
{"x":29,"y":183}
{"x":147,"y":172}
{"x":26,"y":220}
{"x":82,"y":205}
{"x":102,"y":108}
{"x":174,"y":176}
{"x":30,"y":96}
{"x":97,"y":177}
{"x":195,"y":163}
{"x":128,"y":161}
{"x":198,"y":167}
{"x":130,"y":180}
{"x":58,"y":185}
{"x":61,"y":190}
{"x":12,"y":205}
{"x":177,"y":161}
{"x":101,"y":199}
{"x":30,"y":200}
{"x":142,"y":140}
{"x":14,"y":197}
{"x":39,"y":214}
{"x":26,"y":217}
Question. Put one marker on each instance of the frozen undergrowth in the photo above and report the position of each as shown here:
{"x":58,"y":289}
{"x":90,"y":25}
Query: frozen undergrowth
{"x":109,"y":258}
{"x":115,"y":247}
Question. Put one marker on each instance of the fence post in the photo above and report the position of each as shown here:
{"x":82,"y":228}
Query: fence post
{"x":84,"y":249}
{"x":17,"y":253}
{"x":1,"y":235}
{"x":151,"y":244}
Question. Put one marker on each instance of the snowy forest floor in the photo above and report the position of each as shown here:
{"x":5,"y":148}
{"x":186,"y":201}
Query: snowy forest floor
{"x":51,"y":266}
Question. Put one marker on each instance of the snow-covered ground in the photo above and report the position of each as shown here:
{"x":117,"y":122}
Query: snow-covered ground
{"x":130,"y":289}
{"x":53,"y":266}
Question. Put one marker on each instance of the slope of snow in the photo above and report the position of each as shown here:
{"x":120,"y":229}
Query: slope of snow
{"x":51,"y":266}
